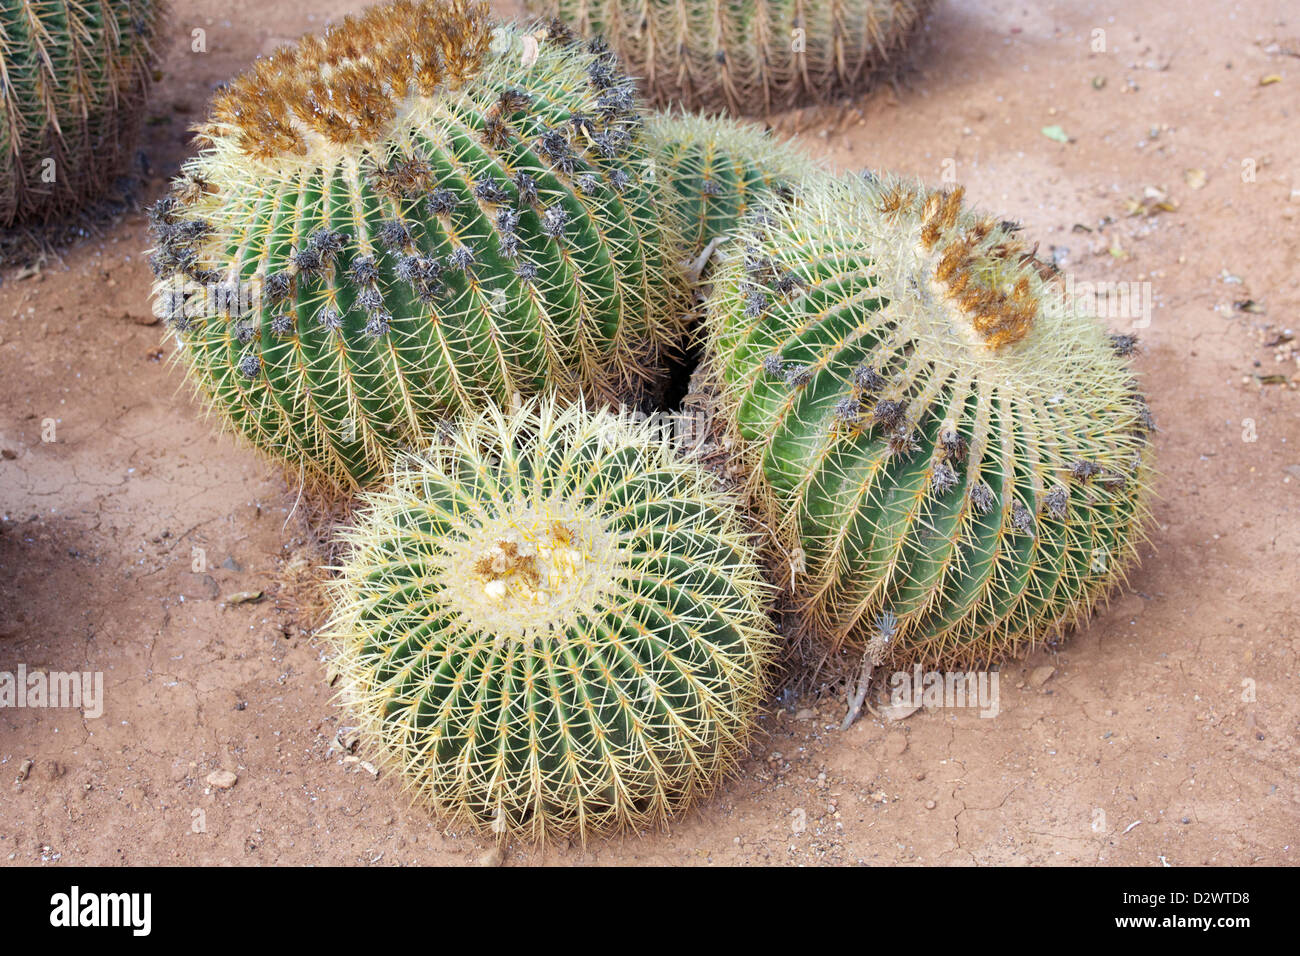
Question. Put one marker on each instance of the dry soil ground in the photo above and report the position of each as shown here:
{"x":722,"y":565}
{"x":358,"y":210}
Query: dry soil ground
{"x":1165,"y":731}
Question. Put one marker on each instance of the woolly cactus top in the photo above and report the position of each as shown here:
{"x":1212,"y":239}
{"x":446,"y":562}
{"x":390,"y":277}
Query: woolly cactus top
{"x":961,"y":290}
{"x":348,"y":85}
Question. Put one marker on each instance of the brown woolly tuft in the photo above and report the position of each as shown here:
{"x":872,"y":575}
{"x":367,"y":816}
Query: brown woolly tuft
{"x":346,"y":85}
{"x":983,"y":281}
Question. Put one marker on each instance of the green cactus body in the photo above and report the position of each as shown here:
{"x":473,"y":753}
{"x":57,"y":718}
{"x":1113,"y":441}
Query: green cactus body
{"x":73,"y":78}
{"x":719,"y":168}
{"x":469,"y":219}
{"x":548,"y":624}
{"x":748,"y":56}
{"x":957,"y":460}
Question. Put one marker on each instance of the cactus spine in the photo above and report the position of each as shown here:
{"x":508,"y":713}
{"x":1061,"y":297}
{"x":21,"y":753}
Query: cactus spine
{"x":958,"y":456}
{"x":550,"y":625}
{"x":718,"y":169}
{"x":406,"y":217}
{"x":73,"y":78}
{"x":749,"y":56}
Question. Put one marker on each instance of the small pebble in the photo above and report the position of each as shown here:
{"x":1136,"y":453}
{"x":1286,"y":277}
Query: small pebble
{"x":222,"y":779}
{"x":493,"y":857}
{"x":1041,"y":675}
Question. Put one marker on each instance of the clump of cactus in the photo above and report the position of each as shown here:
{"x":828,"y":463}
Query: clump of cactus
{"x":405,"y":217}
{"x":957,"y":461}
{"x":718,"y":168}
{"x":548,"y":624}
{"x":73,"y":79}
{"x":749,"y":56}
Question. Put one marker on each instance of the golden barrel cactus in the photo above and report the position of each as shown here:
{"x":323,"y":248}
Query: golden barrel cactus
{"x":749,"y":56}
{"x":73,"y":79}
{"x":717,"y":169}
{"x":956,"y":458}
{"x":549,"y":624}
{"x":414,"y":213}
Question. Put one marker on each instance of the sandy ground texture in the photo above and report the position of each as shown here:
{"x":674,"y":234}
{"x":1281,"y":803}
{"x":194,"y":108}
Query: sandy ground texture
{"x":1165,"y":732}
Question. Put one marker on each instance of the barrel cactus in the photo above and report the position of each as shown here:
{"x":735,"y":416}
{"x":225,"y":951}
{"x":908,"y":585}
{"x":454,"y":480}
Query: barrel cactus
{"x":409,"y":215}
{"x":956,"y":458}
{"x":749,"y":56}
{"x":73,"y":78}
{"x":548,"y":624}
{"x":718,"y":168}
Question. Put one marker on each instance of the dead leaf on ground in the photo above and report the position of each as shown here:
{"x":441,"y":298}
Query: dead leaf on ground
{"x":1154,"y":201}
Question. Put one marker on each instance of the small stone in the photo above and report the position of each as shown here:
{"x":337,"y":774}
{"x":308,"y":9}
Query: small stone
{"x":1041,"y":675}
{"x":8,"y":454}
{"x":222,"y":779}
{"x":244,"y":597}
{"x":896,"y":744}
{"x":493,"y":857}
{"x":141,"y":318}
{"x":806,"y":713}
{"x":930,"y":804}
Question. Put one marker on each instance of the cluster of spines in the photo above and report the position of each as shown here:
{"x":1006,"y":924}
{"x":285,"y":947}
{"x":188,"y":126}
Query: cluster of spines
{"x":980,"y":494}
{"x":608,"y":713}
{"x":751,"y":57}
{"x":502,"y":240}
{"x":73,"y":80}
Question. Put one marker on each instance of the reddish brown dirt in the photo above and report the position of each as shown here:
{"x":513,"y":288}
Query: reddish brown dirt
{"x":1167,"y":731}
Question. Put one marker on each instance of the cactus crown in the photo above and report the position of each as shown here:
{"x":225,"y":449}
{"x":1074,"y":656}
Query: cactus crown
{"x":348,"y":85}
{"x":550,"y":624}
{"x":953,"y":447}
{"x":451,"y":215}
{"x":973,"y":263}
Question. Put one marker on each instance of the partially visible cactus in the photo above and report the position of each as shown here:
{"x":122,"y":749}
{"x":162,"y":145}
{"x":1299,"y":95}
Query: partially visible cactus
{"x":719,"y":168}
{"x":551,"y":625}
{"x":73,"y":78}
{"x":749,"y":56}
{"x":423,"y":212}
{"x":956,"y":459}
